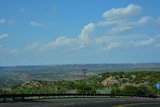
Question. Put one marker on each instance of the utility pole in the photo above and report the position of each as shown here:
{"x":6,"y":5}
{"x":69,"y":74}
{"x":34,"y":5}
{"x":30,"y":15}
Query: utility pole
{"x":84,"y":73}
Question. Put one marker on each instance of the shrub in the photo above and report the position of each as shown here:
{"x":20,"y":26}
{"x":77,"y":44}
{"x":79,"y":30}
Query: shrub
{"x":136,"y":90}
{"x":116,"y":90}
{"x":86,"y":90}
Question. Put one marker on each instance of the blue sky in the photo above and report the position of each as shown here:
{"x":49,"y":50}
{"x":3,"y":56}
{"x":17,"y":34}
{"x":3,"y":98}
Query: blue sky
{"x":39,"y":32}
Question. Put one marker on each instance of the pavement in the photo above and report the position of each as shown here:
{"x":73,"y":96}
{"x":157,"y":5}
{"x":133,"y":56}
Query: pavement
{"x":87,"y":102}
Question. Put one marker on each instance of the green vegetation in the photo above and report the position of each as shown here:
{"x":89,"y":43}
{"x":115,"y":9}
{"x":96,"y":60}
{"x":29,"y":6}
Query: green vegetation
{"x":134,"y":83}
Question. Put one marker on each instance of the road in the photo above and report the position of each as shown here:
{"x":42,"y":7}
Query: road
{"x":87,"y":102}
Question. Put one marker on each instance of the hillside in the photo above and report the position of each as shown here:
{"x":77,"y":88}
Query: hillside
{"x":139,"y":83}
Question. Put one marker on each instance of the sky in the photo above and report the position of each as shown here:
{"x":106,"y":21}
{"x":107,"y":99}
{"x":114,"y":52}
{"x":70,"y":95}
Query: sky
{"x":41,"y":32}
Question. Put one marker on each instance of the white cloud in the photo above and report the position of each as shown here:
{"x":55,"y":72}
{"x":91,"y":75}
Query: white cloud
{"x":37,"y":24}
{"x":143,"y":43}
{"x":77,"y":42}
{"x":108,"y":47}
{"x":33,"y":23}
{"x":120,"y":29}
{"x":113,"y":45}
{"x":106,"y":43}
{"x":4,"y":36}
{"x":84,"y":35}
{"x":36,"y":46}
{"x":126,"y":25}
{"x":61,"y":41}
{"x":122,"y":13}
{"x":145,"y":20}
{"x":4,"y":21}
{"x":42,"y":47}
{"x":101,"y":40}
{"x":120,"y":19}
{"x":107,"y":22}
{"x":104,"y":40}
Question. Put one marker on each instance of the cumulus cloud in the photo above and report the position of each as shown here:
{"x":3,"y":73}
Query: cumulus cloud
{"x":143,"y":43}
{"x":122,"y":19}
{"x":84,"y":35}
{"x":4,"y":36}
{"x":126,"y":25}
{"x":77,"y":42}
{"x":60,"y":42}
{"x":122,"y":13}
{"x":41,"y":47}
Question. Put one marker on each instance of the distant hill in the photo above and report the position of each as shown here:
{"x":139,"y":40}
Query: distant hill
{"x":65,"y":71}
{"x":79,"y":67}
{"x":7,"y":83}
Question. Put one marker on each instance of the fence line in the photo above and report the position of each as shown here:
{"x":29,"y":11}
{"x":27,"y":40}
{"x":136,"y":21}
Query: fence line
{"x":5,"y":97}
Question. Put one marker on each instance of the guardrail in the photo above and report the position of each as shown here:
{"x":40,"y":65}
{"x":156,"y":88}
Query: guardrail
{"x":5,"y":97}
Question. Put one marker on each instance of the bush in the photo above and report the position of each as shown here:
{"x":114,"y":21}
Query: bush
{"x":86,"y":90}
{"x":136,"y":90}
{"x":116,"y":90}
{"x":106,"y":90}
{"x":1,"y":91}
